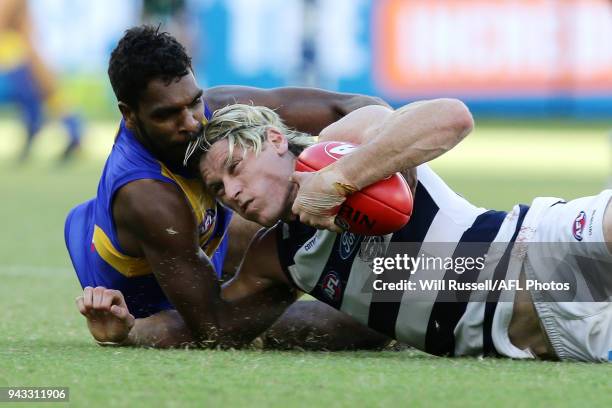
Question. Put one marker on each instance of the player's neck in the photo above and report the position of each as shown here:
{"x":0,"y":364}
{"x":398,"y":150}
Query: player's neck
{"x":168,"y":158}
{"x":288,"y":215}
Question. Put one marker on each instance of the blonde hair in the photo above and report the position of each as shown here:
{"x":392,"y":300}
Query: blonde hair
{"x":245,"y":126}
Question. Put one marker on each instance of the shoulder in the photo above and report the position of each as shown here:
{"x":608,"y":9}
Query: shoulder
{"x":129,"y":157}
{"x":358,"y":124}
{"x":148,"y":204}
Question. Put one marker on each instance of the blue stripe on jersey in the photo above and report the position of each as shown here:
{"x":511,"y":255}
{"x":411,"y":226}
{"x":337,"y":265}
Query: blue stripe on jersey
{"x":207,"y":111}
{"x":385,"y":305}
{"x":332,"y":282}
{"x":298,"y":234}
{"x":450,"y":305}
{"x":493,"y":296}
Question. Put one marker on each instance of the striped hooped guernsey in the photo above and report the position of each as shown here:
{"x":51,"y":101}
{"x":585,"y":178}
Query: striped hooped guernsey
{"x":333,"y":268}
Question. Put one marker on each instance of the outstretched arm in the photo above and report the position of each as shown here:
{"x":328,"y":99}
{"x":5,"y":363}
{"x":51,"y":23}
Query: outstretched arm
{"x":314,"y":325}
{"x":305,"y":109}
{"x":248,"y":304}
{"x":166,"y":233}
{"x":306,"y":325}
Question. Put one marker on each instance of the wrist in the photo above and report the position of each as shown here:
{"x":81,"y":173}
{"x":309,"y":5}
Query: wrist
{"x":337,"y":178}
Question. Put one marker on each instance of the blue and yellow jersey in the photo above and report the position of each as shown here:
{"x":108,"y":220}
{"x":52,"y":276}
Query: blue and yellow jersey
{"x":13,"y":50}
{"x":91,"y":237}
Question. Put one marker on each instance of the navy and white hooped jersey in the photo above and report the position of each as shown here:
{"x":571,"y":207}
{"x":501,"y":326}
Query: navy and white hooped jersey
{"x":334,"y":269}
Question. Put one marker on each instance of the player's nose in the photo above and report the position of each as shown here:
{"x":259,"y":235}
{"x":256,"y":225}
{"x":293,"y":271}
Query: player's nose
{"x":232,"y":191}
{"x":190,"y":123}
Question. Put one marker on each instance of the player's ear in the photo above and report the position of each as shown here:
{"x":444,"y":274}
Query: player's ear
{"x":128,"y":115}
{"x":277,"y":140}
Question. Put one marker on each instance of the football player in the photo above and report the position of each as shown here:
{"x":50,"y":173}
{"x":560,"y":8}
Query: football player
{"x":248,"y":162}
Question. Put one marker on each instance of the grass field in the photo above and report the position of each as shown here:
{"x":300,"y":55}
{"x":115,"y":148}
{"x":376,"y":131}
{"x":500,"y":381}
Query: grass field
{"x":44,"y":341}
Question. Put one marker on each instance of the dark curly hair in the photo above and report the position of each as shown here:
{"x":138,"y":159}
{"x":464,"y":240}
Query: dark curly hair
{"x":142,"y":55}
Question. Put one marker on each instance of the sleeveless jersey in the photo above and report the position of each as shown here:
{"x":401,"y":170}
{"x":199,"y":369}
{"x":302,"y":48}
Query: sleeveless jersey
{"x":337,"y":269}
{"x":91,"y":237}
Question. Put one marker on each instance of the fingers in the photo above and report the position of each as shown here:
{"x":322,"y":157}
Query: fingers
{"x":99,"y":299}
{"x":299,"y":176}
{"x":98,"y":296}
{"x":111,"y":297}
{"x":80,"y":303}
{"x":123,"y":314}
{"x":88,"y":297}
{"x":317,"y":200}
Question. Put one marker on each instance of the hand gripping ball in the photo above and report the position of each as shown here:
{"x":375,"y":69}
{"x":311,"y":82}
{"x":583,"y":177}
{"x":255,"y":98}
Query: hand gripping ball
{"x":378,"y":209}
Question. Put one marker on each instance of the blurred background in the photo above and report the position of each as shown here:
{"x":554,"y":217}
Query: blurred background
{"x":525,"y":58}
{"x":537,"y":74}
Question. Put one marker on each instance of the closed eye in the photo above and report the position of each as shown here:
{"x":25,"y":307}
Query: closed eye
{"x":232,"y":167}
{"x":217,"y":189}
{"x":196,"y":102}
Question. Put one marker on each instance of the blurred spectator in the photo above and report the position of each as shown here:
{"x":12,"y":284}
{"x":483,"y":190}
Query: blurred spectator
{"x":27,"y":82}
{"x":173,"y":17}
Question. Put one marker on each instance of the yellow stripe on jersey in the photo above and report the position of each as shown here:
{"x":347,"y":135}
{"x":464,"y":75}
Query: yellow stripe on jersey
{"x":124,"y":264}
{"x":13,"y":50}
{"x":199,"y":200}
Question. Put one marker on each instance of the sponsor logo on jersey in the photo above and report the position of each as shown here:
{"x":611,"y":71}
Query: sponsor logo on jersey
{"x":331,"y":286}
{"x":348,"y":243}
{"x":207,"y":221}
{"x":310,"y":243}
{"x":372,"y":247}
{"x":579,"y":224}
{"x":591,"y":223}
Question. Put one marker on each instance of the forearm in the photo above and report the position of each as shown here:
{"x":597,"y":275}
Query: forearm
{"x":165,"y":329}
{"x":239,"y":323}
{"x":317,"y":108}
{"x":410,"y":136}
{"x":305,"y":109}
{"x":313,"y":325}
{"x":245,"y":319}
{"x":224,"y":322}
{"x":351,"y":102}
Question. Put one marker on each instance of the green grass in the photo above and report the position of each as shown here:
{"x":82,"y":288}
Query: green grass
{"x":44,"y":342}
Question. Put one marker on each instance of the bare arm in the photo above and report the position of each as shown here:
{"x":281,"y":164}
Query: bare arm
{"x":308,"y":325}
{"x":391,"y":141}
{"x":185,"y":274}
{"x":313,"y":325}
{"x":305,"y":109}
{"x":405,"y":138}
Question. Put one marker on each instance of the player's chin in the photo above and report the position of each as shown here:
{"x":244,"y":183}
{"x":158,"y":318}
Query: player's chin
{"x":265,"y":219}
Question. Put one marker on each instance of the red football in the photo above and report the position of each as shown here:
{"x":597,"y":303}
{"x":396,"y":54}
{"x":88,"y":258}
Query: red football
{"x":381,"y":208}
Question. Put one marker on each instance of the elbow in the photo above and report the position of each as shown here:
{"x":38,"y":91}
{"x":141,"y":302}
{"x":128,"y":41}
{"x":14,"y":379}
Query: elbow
{"x":375,"y":100}
{"x":356,"y":101}
{"x":460,"y":118}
